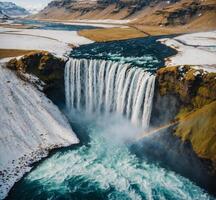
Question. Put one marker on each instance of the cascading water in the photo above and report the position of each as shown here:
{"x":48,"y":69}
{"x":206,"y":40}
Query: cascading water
{"x":105,"y":86}
{"x":102,"y":167}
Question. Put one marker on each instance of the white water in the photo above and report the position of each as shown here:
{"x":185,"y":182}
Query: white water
{"x":105,"y":169}
{"x":104,"y":86}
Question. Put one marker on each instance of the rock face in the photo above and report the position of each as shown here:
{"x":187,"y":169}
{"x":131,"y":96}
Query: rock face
{"x":194,"y":95}
{"x":47,"y":68}
{"x":91,"y":8}
{"x":194,"y":88}
{"x":11,"y":9}
{"x":195,"y":13}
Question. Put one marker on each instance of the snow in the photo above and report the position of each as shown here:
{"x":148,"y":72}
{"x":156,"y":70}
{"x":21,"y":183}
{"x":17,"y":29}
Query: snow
{"x":70,"y":37}
{"x":201,"y":38}
{"x":14,"y":41}
{"x":53,"y":41}
{"x":105,"y":21}
{"x":31,"y":125}
{"x":11,"y":9}
{"x":101,"y":25}
{"x":194,"y":49}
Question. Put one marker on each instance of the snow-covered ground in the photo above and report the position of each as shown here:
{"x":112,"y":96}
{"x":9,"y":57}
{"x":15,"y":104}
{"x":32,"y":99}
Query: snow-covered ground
{"x":194,"y":49}
{"x":99,"y":24}
{"x":56,"y":42}
{"x":104,"y":21}
{"x":31,"y":125}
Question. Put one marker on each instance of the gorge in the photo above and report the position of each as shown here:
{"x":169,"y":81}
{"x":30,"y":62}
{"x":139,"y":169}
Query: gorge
{"x":127,"y":119}
{"x":103,"y":165}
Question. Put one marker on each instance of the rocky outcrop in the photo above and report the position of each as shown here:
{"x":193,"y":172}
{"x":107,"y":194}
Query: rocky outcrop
{"x":194,"y":88}
{"x":47,"y":68}
{"x":186,"y":12}
{"x":194,"y":94}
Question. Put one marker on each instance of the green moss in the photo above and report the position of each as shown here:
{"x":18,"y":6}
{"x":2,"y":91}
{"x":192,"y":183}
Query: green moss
{"x":193,"y":87}
{"x":47,"y":68}
{"x":199,"y":101}
{"x":199,"y":127}
{"x":196,"y":92}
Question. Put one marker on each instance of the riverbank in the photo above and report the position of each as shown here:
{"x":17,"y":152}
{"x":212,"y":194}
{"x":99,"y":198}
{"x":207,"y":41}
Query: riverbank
{"x":197,"y":49}
{"x":56,"y":42}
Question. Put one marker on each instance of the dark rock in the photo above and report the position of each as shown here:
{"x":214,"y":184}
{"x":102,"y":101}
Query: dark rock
{"x":47,"y":68}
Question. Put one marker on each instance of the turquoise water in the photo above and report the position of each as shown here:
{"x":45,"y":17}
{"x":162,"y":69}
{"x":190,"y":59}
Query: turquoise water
{"x":103,"y":167}
{"x":146,"y":52}
{"x":52,"y":25}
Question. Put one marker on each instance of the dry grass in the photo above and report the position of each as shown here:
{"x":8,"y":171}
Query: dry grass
{"x":111,"y":34}
{"x":7,"y":53}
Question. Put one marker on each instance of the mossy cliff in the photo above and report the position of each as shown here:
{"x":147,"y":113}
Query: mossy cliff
{"x":47,"y":68}
{"x":194,"y":94}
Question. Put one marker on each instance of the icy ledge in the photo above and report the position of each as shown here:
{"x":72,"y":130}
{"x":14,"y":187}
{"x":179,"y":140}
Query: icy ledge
{"x":31,"y":125}
{"x":198,"y":49}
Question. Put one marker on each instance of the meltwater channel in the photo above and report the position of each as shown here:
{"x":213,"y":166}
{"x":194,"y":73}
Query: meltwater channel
{"x":108,"y":104}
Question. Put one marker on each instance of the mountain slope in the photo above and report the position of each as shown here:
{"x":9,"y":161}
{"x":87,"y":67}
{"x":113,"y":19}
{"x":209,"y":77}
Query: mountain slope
{"x":187,"y":15}
{"x":101,"y":9}
{"x":3,"y":16}
{"x":11,"y":9}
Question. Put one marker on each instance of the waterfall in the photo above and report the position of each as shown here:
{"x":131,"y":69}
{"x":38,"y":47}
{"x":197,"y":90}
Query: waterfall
{"x":104,"y":86}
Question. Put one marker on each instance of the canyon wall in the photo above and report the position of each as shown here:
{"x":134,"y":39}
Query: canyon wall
{"x":190,"y":97}
{"x":48,"y":68}
{"x":182,"y":93}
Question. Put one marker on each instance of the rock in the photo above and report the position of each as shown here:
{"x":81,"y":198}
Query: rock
{"x":47,"y":68}
{"x":193,"y":87}
{"x":194,"y":92}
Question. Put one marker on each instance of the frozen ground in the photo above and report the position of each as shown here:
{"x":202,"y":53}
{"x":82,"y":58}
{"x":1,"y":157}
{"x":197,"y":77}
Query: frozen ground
{"x":104,"y":21}
{"x":101,"y":25}
{"x":31,"y":125}
{"x":56,"y":42}
{"x":194,"y":49}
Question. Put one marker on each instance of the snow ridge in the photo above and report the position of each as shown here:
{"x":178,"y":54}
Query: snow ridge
{"x":31,"y":125}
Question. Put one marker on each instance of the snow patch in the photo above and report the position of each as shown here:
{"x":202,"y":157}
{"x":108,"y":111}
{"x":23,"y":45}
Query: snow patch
{"x":56,"y":42}
{"x":31,"y":125}
{"x":194,"y":49}
{"x":100,"y":25}
{"x":105,"y":21}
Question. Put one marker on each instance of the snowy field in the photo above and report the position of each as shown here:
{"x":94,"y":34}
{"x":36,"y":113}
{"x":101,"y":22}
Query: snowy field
{"x":31,"y":125}
{"x":194,"y":49}
{"x":105,"y":21}
{"x":56,"y":42}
